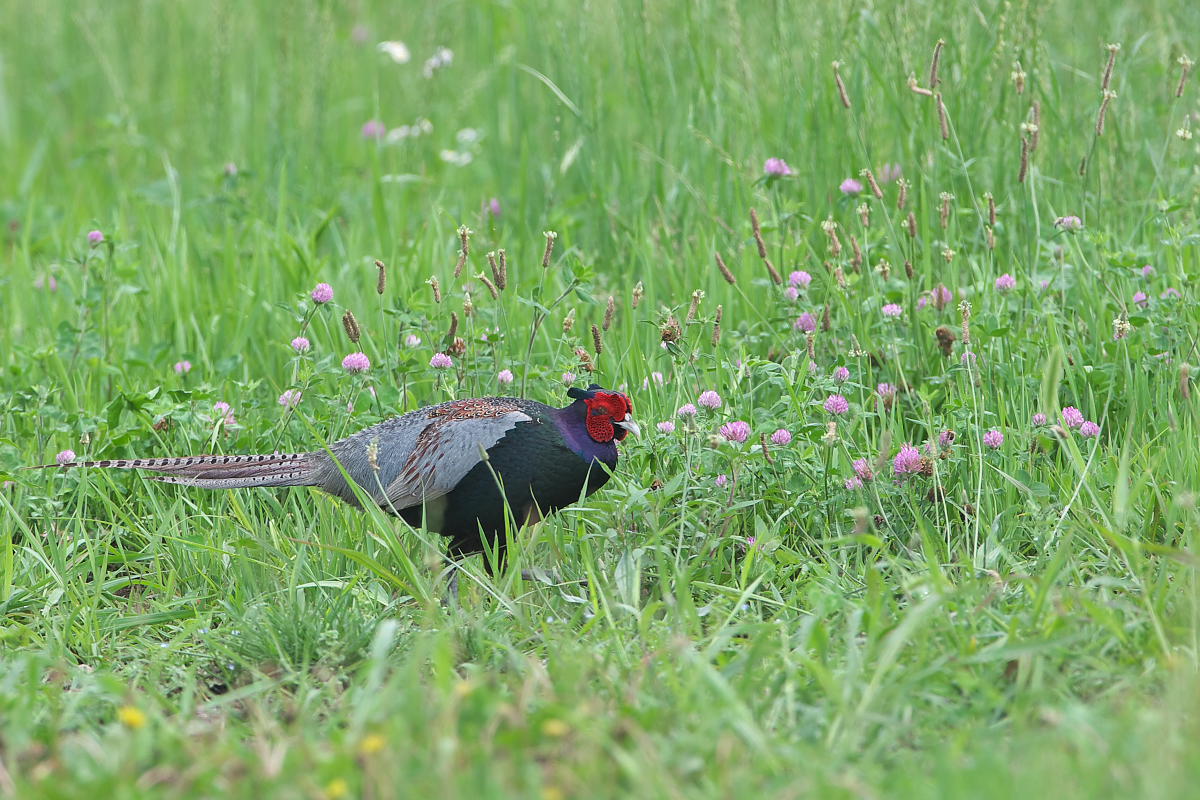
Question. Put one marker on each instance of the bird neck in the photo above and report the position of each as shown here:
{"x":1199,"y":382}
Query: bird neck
{"x":572,"y":422}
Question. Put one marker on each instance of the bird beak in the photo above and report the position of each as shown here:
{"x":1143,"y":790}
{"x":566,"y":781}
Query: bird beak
{"x":629,"y":425}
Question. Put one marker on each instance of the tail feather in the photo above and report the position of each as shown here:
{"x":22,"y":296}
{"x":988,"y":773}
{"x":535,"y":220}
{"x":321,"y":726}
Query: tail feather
{"x":222,"y":472}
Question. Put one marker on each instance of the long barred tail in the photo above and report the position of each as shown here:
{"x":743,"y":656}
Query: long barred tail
{"x":222,"y":472}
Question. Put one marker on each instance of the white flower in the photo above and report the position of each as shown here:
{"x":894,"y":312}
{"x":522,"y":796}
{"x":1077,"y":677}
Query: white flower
{"x":458,"y":159}
{"x":467,"y":136}
{"x":397,"y":51}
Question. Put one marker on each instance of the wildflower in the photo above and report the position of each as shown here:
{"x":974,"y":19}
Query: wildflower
{"x":942,"y":297}
{"x":290,"y":398}
{"x":946,"y":438}
{"x":776,"y":166}
{"x":907,"y":460}
{"x":862,"y":469}
{"x":183,"y":367}
{"x":1006,"y":283}
{"x":493,"y":206}
{"x":373,"y":129}
{"x":1121,"y":328}
{"x":568,"y":377}
{"x":47,"y":282}
{"x":736,"y":431}
{"x":841,"y":374}
{"x":657,"y":377}
{"x":781,"y":437}
{"x":1072,"y":416}
{"x":504,"y":376}
{"x":837,"y":404}
{"x":993,"y":438}
{"x":301,"y":344}
{"x":440,"y":58}
{"x":412,"y":340}
{"x":889,"y":173}
{"x":850,"y":186}
{"x":226,"y":413}
{"x":1169,"y":292}
{"x":686,"y":410}
{"x":805,"y":322}
{"x":922,"y":301}
{"x":892,"y":310}
{"x":65,"y":457}
{"x":1089,"y":429}
{"x":131,"y":717}
{"x":791,"y":293}
{"x":356,"y":362}
{"x":95,"y":238}
{"x":396,"y":51}
{"x":854,"y":483}
{"x":800,"y":279}
{"x":1147,"y":271}
{"x":709,"y":399}
{"x":666,"y":427}
{"x":1069,"y":223}
{"x":968,"y":358}
{"x":886,"y":390}
{"x":1140,"y":298}
{"x":1039,"y":418}
{"x":371,"y":744}
{"x":721,"y":480}
{"x":322,"y":293}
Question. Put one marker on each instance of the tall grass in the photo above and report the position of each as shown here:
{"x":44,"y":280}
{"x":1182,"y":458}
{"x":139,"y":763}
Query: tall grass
{"x":1013,"y":619}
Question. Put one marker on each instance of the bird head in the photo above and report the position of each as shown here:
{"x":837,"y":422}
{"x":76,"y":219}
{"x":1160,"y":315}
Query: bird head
{"x":608,"y":413}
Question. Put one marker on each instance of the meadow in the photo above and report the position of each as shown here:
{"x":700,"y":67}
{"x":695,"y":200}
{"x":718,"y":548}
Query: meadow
{"x":903,"y":294}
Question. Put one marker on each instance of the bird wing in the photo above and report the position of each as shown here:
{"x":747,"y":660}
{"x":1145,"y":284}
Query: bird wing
{"x":454,"y":440}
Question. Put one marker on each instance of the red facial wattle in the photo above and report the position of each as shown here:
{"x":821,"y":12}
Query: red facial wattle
{"x":603,"y":409}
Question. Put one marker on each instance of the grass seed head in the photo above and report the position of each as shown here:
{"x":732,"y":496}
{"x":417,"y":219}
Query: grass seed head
{"x":551,"y":237}
{"x":569,"y":321}
{"x":1185,"y":68}
{"x":935,"y":62}
{"x":639,"y":291}
{"x":725,"y":273}
{"x":943,"y":120}
{"x":381,"y":281}
{"x":841,"y":85}
{"x":350,"y":324}
{"x":597,"y":339}
{"x":610,"y":311}
{"x":493,"y":290}
{"x":436,"y":286}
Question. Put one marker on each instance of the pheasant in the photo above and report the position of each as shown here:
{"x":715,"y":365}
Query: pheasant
{"x":442,"y":465}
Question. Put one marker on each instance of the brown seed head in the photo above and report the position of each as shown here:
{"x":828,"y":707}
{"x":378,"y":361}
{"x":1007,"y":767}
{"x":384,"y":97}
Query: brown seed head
{"x":697,"y":296}
{"x":991,"y":202}
{"x":841,"y":85}
{"x":458,"y":347}
{"x":1109,"y":96}
{"x":569,"y":321}
{"x":609,"y":311}
{"x":597,"y":340}
{"x":946,"y":199}
{"x":933,"y":64}
{"x":912,"y":225}
{"x":902,"y":199}
{"x":1108,"y":67}
{"x":468,"y":305}
{"x":825,"y":321}
{"x":671,"y":330}
{"x":870,"y":176}
{"x":1185,"y":385}
{"x":453,"y":327}
{"x":350,"y":324}
{"x":551,"y":237}
{"x":908,"y":269}
{"x":917,"y":88}
{"x":491,"y":287}
{"x":964,"y":310}
{"x":585,"y":360}
{"x":857,"y":260}
{"x":725,"y":273}
{"x":381,"y":281}
{"x":1185,"y":68}
{"x":943,"y":121}
{"x":436,"y":287}
{"x":945,"y":340}
{"x":503,"y":281}
{"x":864,"y":214}
{"x":1024,"y":170}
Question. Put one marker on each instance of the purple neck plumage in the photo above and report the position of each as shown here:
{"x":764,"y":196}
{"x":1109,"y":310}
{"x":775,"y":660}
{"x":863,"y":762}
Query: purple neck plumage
{"x":572,"y":423}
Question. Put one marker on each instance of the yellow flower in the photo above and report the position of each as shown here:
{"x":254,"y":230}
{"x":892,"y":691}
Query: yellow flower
{"x":371,"y":744}
{"x":552,"y":793}
{"x":555,"y":727}
{"x":337,"y":788}
{"x":131,"y":717}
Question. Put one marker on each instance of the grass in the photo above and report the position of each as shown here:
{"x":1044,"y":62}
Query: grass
{"x":1016,"y":620}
